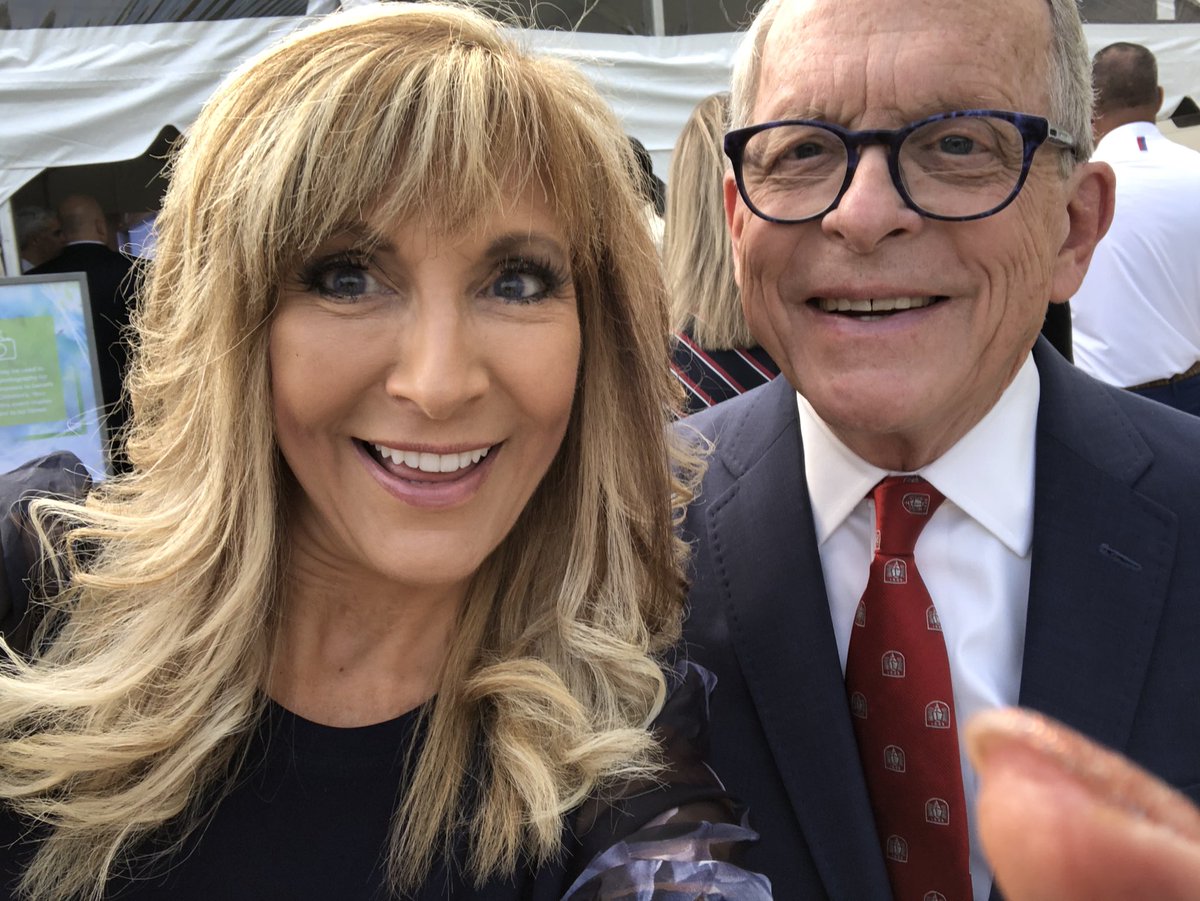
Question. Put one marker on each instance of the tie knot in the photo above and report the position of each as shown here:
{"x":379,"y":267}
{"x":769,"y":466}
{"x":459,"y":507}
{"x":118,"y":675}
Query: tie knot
{"x":903,"y":504}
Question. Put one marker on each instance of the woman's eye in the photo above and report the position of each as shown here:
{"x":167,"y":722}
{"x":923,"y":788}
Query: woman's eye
{"x":518,"y":286}
{"x":348,"y":281}
{"x":525,"y":282}
{"x":341,"y":279}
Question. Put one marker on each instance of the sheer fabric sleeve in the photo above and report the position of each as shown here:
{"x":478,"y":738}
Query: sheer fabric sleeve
{"x":675,"y":840}
{"x":59,"y":475}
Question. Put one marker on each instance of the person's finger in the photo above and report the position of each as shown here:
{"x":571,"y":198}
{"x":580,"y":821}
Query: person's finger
{"x":1061,"y":818}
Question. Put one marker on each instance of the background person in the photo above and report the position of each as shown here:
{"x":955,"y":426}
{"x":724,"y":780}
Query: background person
{"x":651,"y":189}
{"x":1137,"y":313}
{"x":382,"y":607}
{"x":1058,"y":569}
{"x":110,"y":292}
{"x":715,"y":356}
{"x":39,"y":236}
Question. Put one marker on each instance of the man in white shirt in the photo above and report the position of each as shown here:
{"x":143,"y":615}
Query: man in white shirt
{"x":909,"y":190}
{"x":1137,"y":314}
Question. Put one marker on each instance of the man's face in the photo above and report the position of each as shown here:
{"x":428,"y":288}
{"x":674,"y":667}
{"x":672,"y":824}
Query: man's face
{"x":48,"y":244}
{"x":901,"y":387}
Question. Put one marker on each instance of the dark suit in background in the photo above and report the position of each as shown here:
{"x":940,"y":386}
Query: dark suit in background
{"x":1057,"y":329}
{"x":110,"y":292}
{"x":1110,"y":644}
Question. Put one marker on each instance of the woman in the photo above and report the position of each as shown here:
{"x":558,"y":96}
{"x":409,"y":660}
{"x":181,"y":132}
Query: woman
{"x":715,"y":357}
{"x":385,"y":595}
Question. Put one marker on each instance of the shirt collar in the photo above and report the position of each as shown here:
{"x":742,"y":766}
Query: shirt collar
{"x":1002,"y":502}
{"x":1122,"y":140}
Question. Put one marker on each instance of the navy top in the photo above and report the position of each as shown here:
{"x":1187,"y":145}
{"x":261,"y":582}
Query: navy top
{"x":310,"y":813}
{"x":308,"y":818}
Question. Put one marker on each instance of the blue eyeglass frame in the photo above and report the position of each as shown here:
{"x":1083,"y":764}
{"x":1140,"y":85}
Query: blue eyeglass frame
{"x":1035,"y":131}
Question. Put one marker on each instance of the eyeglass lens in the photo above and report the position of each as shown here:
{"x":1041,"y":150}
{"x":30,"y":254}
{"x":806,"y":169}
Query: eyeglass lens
{"x":950,"y":167}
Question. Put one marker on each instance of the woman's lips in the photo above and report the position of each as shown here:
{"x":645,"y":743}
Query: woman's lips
{"x":408,"y":463}
{"x":437,"y":479}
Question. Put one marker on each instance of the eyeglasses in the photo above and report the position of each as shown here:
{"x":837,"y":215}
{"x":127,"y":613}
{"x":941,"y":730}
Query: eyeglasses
{"x":954,"y":166}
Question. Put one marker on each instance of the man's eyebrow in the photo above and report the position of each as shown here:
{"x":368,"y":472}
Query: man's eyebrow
{"x":912,"y":113}
{"x":808,"y":112}
{"x":957,"y":104}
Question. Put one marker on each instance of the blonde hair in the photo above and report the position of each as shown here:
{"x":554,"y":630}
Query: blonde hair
{"x":152,"y":661}
{"x":697,"y":254}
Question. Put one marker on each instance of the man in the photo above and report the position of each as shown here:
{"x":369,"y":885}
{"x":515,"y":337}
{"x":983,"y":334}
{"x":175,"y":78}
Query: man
{"x":1059,"y":565}
{"x":1137,"y":314}
{"x":108,"y":273}
{"x":39,"y":236}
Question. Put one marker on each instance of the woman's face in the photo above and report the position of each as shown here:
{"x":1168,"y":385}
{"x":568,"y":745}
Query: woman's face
{"x":421,"y":388}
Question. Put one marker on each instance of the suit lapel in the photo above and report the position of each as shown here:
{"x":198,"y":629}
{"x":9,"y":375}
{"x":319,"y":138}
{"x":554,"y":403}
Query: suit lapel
{"x":1101,"y":560}
{"x":780,"y":625}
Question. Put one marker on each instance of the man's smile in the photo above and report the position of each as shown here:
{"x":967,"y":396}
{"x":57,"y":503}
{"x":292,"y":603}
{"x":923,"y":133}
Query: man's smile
{"x":873,"y":307}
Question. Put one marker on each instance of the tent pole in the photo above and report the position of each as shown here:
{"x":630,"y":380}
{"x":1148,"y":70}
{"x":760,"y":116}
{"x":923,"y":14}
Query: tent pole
{"x":658,"y":18}
{"x":10,"y":256}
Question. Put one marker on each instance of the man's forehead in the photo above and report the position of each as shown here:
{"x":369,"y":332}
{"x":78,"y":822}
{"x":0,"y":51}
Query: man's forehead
{"x":902,"y":59}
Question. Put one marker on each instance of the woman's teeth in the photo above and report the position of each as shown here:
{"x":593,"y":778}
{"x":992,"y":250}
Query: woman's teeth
{"x":880,"y":305}
{"x":432,"y":462}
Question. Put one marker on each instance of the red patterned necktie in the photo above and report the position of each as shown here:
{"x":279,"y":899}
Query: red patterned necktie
{"x":902,"y":706}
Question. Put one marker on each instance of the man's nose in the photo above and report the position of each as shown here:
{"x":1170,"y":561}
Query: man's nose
{"x":872,"y":210}
{"x":440,"y":364}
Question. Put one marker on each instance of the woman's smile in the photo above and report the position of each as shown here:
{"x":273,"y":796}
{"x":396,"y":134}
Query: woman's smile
{"x":422,"y":386}
{"x":427,"y":478}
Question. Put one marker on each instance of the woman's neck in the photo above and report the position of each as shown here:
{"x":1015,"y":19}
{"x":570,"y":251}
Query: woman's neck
{"x":356,"y":652}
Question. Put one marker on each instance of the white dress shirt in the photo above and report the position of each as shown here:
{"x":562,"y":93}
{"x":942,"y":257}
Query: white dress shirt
{"x":973,"y":555}
{"x":1136,"y":317}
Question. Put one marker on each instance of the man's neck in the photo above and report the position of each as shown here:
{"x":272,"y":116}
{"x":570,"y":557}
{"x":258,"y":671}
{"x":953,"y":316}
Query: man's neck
{"x":1106,"y":122}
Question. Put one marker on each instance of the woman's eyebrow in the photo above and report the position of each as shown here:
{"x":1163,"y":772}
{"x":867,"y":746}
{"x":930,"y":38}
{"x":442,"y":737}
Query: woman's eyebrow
{"x":358,"y":236}
{"x":523,"y":242}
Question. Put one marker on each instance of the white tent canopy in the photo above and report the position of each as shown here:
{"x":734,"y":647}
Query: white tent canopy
{"x":78,"y":96}
{"x":86,"y":95}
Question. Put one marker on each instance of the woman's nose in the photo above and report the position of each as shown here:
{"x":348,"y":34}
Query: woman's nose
{"x":439,"y":366}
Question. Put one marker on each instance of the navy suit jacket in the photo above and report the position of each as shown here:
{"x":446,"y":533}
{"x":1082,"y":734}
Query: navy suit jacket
{"x":1112,"y":644}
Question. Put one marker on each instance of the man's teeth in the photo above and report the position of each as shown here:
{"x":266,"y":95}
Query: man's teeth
{"x":879,"y":305}
{"x":432,"y":462}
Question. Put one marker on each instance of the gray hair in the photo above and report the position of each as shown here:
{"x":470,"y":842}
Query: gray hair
{"x":31,"y":223}
{"x":1070,"y":74}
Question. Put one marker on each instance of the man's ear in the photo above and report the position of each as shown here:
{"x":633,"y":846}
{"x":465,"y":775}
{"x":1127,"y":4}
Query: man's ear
{"x":734,"y":219}
{"x":1089,"y":213}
